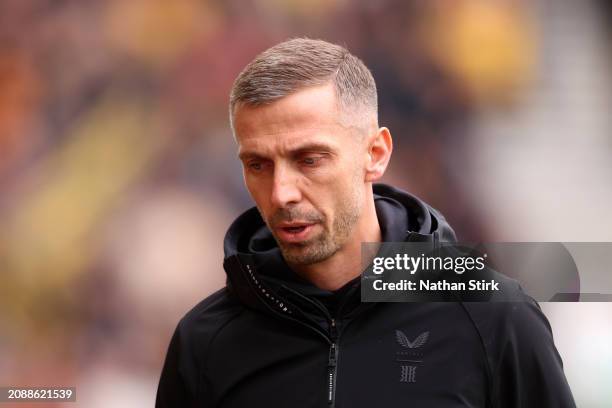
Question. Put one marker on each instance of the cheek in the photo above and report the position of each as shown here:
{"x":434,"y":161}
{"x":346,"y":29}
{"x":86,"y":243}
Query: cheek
{"x":343,"y":191}
{"x":350,"y":193}
{"x":258,"y":191}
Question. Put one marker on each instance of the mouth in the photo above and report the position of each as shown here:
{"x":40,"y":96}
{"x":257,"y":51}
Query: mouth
{"x":294,"y":232}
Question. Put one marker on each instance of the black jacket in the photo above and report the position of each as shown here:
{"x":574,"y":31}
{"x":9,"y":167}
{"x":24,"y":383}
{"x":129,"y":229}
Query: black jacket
{"x":270,"y":339}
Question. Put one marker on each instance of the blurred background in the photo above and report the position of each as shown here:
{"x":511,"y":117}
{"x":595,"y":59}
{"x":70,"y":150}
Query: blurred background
{"x":118,"y":172}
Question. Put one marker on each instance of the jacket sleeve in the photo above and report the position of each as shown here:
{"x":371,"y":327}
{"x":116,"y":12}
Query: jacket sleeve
{"x":527,"y":370}
{"x":177,"y":384}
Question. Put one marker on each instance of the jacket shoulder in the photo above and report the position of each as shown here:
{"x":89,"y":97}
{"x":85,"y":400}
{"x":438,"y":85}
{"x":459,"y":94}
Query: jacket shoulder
{"x":182,"y":382}
{"x":198,"y":328}
{"x":210,"y":314}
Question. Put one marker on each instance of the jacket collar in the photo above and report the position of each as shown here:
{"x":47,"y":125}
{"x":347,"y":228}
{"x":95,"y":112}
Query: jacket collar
{"x":258,"y":275}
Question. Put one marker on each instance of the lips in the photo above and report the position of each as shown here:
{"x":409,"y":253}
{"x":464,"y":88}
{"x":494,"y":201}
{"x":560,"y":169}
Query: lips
{"x":294,"y":232}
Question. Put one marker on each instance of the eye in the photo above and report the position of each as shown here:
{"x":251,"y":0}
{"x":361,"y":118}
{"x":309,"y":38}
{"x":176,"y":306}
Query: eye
{"x":310,"y":161}
{"x":255,"y":166}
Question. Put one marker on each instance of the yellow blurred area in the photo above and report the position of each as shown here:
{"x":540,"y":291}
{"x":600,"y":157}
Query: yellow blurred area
{"x":158,"y":31}
{"x":490,"y":45}
{"x":67,"y":195}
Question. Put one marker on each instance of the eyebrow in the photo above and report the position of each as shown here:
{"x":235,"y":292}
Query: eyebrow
{"x":308,"y":147}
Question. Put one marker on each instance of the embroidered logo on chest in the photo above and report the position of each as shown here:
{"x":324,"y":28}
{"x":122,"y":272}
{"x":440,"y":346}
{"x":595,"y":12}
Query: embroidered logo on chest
{"x":410,"y":356}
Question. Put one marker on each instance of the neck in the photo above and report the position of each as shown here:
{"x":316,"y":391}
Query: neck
{"x":346,"y":264}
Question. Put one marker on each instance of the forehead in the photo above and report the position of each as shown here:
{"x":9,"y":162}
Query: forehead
{"x":305,"y":113}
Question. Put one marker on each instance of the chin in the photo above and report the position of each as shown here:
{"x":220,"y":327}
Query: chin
{"x":306,"y":255}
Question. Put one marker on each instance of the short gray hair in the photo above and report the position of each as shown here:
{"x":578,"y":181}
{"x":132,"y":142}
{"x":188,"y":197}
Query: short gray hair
{"x":300,"y":63}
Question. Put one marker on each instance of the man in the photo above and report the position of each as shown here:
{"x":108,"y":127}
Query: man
{"x":290,"y":330}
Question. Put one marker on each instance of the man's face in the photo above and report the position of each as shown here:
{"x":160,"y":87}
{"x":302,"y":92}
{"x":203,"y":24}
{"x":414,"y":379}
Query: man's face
{"x":304,"y":170}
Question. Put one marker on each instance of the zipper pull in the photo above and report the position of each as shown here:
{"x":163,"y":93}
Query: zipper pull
{"x":333,"y":330}
{"x":333,"y":354}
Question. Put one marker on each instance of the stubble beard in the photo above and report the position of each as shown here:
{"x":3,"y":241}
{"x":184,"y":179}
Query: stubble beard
{"x":326,"y":243}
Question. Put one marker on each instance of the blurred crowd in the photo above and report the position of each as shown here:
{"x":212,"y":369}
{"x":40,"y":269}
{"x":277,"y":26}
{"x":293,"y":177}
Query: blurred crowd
{"x":118,"y":171}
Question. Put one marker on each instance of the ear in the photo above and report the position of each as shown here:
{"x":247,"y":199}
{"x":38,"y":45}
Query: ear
{"x":380,"y":147}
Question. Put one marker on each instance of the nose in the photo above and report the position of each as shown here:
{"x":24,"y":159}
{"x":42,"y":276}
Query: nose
{"x":285,"y":190}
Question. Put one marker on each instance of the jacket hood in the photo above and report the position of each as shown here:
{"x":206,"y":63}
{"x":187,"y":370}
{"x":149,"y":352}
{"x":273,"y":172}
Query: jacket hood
{"x":258,"y":273}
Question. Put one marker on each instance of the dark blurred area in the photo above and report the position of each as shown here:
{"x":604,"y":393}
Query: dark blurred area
{"x":118,"y":171}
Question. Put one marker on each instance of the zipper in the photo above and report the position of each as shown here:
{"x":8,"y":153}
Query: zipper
{"x":332,"y":337}
{"x":332,"y":364}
